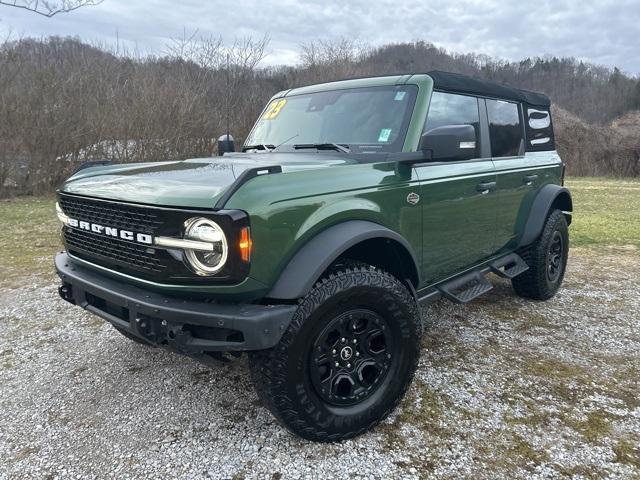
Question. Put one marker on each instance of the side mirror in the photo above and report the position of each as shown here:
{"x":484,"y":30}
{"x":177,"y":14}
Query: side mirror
{"x":226,"y":144}
{"x":450,"y":142}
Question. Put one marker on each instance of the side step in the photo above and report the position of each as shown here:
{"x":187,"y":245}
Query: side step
{"x":465,"y":288}
{"x":510,"y":266}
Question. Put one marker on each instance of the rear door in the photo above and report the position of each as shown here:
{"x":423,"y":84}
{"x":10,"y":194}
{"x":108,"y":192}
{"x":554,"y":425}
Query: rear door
{"x":458,"y":198}
{"x":515,"y":176}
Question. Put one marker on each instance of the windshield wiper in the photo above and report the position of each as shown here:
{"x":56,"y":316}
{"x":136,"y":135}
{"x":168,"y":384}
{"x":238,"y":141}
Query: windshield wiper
{"x":260,"y":146}
{"x":324,"y":146}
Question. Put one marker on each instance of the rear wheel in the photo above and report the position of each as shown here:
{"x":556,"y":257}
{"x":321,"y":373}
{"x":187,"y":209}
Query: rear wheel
{"x":547,"y":260}
{"x":347,"y":358}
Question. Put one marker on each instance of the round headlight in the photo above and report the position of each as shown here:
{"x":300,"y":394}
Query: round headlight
{"x":206,"y":262}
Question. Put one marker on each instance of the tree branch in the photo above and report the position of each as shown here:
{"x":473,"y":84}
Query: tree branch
{"x":48,"y":8}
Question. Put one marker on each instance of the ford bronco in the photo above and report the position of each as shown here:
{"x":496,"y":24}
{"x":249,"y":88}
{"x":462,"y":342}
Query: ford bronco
{"x":351,"y":205}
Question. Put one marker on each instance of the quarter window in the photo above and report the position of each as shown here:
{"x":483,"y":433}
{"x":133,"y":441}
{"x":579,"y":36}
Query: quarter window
{"x":539,"y":129}
{"x":505,"y":128}
{"x":452,"y":109}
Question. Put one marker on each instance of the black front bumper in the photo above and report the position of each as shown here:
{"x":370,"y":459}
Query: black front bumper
{"x":187,"y":326}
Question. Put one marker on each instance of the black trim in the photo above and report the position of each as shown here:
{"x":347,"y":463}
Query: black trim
{"x":187,"y":326}
{"x":306,"y":266}
{"x":243,"y":178}
{"x":539,"y":211}
{"x":485,"y":138}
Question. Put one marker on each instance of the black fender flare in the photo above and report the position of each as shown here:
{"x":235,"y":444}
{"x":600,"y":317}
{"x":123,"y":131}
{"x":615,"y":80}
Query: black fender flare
{"x":306,"y":266}
{"x":549,"y":196}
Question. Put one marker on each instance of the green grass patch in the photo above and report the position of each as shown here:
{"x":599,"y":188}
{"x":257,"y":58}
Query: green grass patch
{"x":29,"y":237}
{"x":606,"y":212}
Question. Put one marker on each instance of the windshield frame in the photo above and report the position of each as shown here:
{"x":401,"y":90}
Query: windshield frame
{"x":396,"y":146}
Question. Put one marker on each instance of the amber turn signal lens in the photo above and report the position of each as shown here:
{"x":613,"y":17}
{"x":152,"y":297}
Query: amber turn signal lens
{"x":245,"y":244}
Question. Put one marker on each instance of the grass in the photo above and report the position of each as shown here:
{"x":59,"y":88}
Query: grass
{"x":28,"y":238}
{"x":606,"y":213}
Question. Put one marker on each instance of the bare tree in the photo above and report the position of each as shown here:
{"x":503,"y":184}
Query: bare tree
{"x":63,"y":101}
{"x":49,"y":8}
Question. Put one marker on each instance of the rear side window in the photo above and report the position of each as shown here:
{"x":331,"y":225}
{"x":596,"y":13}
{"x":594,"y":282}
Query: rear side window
{"x":504,"y":128}
{"x":539,"y":130}
{"x":452,"y":109}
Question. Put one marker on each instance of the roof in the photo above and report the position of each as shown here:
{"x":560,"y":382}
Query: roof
{"x":453,"y":82}
{"x":456,"y":82}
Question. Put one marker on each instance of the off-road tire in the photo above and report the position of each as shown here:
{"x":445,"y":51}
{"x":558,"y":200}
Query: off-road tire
{"x":282,"y":375}
{"x":131,"y":337}
{"x":536,"y":283}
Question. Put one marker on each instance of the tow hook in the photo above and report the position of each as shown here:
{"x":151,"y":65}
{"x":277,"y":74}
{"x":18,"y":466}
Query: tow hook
{"x":66,"y":293}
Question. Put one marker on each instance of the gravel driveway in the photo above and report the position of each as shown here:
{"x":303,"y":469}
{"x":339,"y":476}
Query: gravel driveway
{"x":506,"y":388}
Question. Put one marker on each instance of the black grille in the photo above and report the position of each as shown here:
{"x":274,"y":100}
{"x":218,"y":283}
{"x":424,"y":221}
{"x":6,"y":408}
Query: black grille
{"x":138,"y":259}
{"x":113,"y":252}
{"x":107,"y":248}
{"x":126,"y":217}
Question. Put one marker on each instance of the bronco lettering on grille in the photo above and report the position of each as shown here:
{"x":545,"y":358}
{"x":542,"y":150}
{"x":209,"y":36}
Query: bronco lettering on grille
{"x":111,"y":231}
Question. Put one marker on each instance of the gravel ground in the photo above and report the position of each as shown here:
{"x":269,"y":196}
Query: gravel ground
{"x":506,"y":388}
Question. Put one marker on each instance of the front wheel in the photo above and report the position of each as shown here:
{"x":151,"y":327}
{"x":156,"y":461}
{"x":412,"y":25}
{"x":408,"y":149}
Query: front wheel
{"x":346,"y":359}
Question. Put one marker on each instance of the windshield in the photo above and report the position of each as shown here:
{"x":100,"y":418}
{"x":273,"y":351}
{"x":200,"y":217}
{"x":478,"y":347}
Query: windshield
{"x":373,"y":119}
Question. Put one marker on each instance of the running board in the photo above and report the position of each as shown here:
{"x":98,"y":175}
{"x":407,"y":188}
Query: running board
{"x":469,"y":286}
{"x":510,"y":266}
{"x":465,"y":288}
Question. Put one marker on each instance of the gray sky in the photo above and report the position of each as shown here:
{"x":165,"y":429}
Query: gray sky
{"x":599,"y":31}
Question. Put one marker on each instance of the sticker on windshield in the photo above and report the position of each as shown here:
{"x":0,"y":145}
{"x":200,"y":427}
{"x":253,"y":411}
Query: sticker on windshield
{"x":400,"y":96}
{"x":385,"y":133}
{"x":274,"y":109}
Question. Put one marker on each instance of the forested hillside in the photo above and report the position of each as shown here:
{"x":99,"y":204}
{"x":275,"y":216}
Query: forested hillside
{"x":63,"y":101}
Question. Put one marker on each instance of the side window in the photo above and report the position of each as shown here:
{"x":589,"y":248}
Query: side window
{"x":504,"y":128}
{"x":539,"y":130}
{"x":452,"y":109}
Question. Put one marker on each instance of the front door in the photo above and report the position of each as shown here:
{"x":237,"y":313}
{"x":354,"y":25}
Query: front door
{"x":459,"y":200}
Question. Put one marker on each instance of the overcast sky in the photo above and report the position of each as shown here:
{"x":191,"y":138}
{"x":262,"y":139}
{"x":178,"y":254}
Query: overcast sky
{"x":600,"y":31}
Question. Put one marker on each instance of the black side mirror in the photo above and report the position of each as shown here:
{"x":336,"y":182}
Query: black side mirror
{"x":450,"y":142}
{"x":226,"y":144}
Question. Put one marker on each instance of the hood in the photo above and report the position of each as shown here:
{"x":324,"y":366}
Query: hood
{"x":197,"y":182}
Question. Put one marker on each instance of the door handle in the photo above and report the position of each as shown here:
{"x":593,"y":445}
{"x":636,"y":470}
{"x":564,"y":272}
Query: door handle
{"x":529,"y":179}
{"x":485,"y":187}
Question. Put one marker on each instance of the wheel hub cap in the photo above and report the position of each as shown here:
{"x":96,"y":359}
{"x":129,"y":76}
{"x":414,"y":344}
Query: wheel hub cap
{"x":351,"y":357}
{"x":346,"y":353}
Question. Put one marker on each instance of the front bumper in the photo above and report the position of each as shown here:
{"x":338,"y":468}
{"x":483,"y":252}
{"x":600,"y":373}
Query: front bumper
{"x":188,"y":326}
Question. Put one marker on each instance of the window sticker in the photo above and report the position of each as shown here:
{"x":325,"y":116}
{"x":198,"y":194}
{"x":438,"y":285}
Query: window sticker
{"x":274,"y":109}
{"x":385,"y":133}
{"x":400,"y":96}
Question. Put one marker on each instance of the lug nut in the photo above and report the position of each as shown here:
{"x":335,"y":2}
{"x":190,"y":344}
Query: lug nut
{"x":348,"y":365}
{"x":357,"y":354}
{"x":334,"y":351}
{"x":343,"y":340}
{"x":337,"y":364}
{"x":355,"y":341}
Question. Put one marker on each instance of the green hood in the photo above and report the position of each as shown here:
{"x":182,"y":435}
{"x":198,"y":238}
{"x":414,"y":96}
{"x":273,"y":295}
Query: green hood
{"x":196,"y":182}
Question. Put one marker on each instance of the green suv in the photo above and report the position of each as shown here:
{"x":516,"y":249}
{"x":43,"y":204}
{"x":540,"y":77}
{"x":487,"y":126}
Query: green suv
{"x":351,"y":205}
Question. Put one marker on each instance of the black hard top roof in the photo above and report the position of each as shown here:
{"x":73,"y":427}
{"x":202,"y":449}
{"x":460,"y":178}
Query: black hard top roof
{"x":456,"y":82}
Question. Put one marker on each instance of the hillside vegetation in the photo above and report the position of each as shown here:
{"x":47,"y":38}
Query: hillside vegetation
{"x":63,"y":101}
